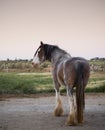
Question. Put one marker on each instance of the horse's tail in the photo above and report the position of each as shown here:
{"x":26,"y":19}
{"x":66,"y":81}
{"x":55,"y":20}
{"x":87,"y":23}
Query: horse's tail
{"x":80,"y":99}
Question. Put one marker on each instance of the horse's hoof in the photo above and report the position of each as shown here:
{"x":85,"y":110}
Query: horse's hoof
{"x":71,"y":123}
{"x":58,"y":112}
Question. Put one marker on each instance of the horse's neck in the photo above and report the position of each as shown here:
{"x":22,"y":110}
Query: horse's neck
{"x":58,"y":56}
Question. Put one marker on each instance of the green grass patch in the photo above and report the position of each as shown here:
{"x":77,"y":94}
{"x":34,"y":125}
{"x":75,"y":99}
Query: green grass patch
{"x":97,"y":89}
{"x":25,"y":83}
{"x":32,"y":83}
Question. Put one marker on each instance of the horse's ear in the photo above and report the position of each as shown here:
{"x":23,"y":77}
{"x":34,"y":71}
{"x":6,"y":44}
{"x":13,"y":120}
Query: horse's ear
{"x":41,"y":43}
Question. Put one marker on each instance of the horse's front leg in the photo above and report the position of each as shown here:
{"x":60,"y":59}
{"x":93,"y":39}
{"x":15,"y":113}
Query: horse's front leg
{"x":72,"y":120}
{"x":58,"y":111}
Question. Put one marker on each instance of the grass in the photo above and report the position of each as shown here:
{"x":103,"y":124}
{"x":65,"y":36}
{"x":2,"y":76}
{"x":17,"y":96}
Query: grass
{"x":96,"y":82}
{"x":25,"y":83}
{"x":32,"y":83}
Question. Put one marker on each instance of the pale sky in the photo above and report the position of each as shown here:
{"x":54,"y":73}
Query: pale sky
{"x":78,"y":26}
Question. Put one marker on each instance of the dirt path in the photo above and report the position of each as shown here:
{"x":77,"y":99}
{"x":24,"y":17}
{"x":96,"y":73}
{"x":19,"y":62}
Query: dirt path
{"x":36,"y":114}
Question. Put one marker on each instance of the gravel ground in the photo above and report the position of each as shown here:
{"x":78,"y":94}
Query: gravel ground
{"x":36,"y":114}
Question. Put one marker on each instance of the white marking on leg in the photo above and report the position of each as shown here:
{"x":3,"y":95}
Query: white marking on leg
{"x":72,"y":114}
{"x":75,"y":105}
{"x":57,"y":96}
{"x":58,"y":109}
{"x":71,"y":102}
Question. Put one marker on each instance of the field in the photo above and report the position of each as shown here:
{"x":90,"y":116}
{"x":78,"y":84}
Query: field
{"x":27,"y":83}
{"x":32,"y":83}
{"x":20,"y":77}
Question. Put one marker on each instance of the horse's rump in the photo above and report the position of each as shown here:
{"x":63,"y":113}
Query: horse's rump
{"x":75,"y":67}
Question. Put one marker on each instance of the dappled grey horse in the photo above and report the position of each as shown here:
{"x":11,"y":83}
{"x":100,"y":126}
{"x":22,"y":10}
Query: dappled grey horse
{"x":70,"y":72}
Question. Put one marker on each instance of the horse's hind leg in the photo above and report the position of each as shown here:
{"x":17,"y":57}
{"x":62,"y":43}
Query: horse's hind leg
{"x":58,"y":109}
{"x":72,"y":114}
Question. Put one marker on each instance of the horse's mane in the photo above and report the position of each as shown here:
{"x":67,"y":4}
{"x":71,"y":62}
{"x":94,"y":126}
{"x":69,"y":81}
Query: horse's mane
{"x":48,"y":49}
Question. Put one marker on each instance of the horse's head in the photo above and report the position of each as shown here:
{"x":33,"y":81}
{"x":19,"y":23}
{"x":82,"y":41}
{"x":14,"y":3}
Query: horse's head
{"x":44,"y":52}
{"x":39,"y":56}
